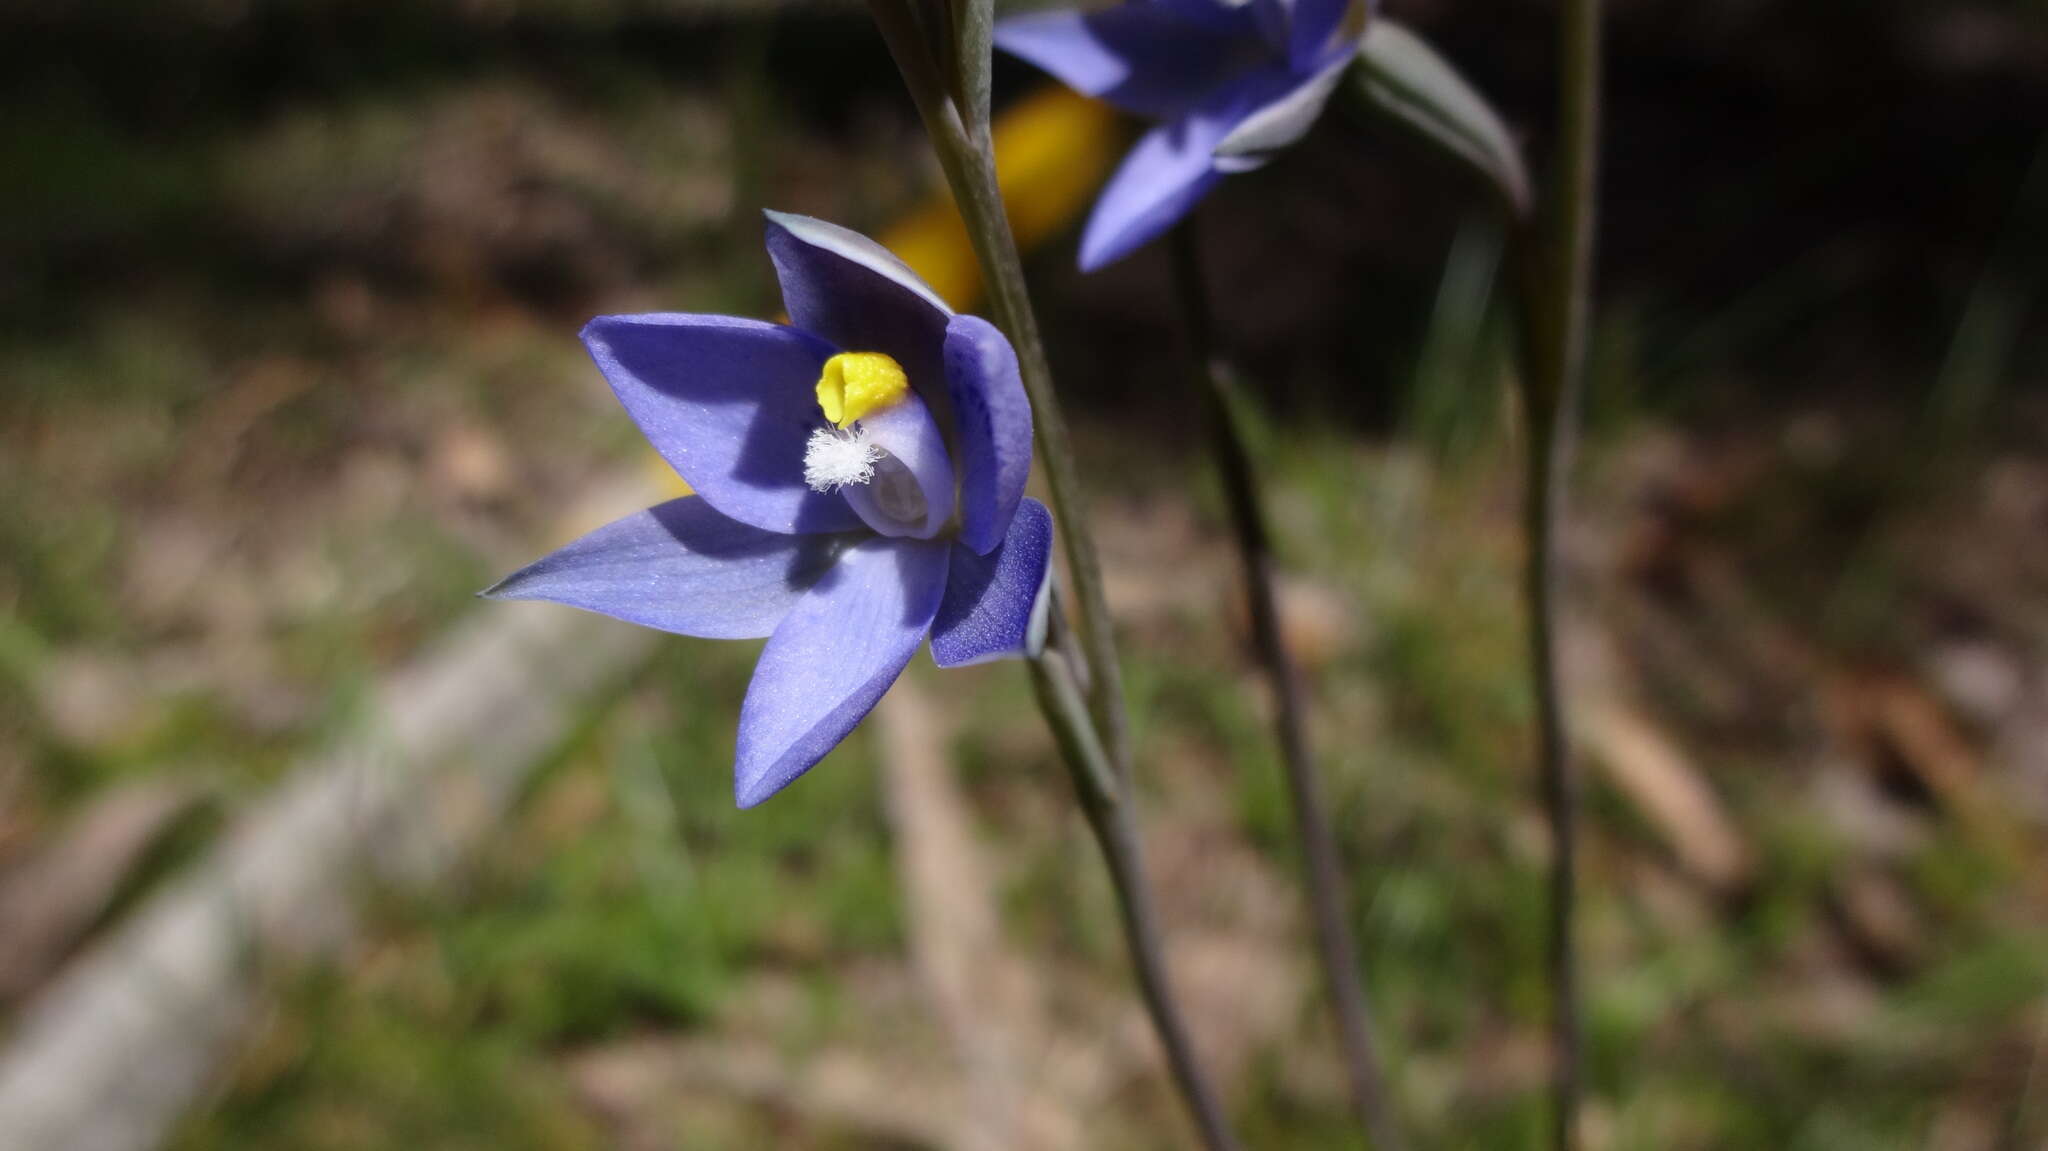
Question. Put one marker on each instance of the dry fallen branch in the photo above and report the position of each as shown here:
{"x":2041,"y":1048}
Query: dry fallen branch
{"x":51,"y":898}
{"x":1897,"y":723}
{"x":1653,"y":772}
{"x":113,"y":1052}
{"x":980,"y":998}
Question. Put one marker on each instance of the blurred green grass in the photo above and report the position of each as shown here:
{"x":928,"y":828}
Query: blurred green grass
{"x":627,"y":896}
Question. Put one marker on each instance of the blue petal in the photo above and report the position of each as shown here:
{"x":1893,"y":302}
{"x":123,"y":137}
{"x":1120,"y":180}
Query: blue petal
{"x":844,"y":287}
{"x":1173,"y":166}
{"x":1273,"y":126}
{"x":916,"y":462}
{"x":729,"y":403}
{"x":1312,"y":28}
{"x":833,"y":657}
{"x":680,"y":567}
{"x":1232,"y":16}
{"x":1272,"y":17}
{"x":992,"y":604}
{"x":994,"y":419}
{"x":1156,"y":60}
{"x":1166,"y":175}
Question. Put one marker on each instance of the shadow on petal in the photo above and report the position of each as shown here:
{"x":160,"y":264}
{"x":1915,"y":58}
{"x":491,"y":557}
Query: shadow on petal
{"x":992,"y":608}
{"x":681,"y":567}
{"x":730,"y":404}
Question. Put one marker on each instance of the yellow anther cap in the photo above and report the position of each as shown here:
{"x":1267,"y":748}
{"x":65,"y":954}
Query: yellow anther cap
{"x":854,"y":384}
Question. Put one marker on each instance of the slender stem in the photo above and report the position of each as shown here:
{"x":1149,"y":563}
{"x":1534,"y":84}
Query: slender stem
{"x":1323,"y":871}
{"x":973,"y":174}
{"x":1059,"y":697}
{"x":1544,"y":507}
{"x":1094,"y":737}
{"x":967,"y":155}
{"x":1107,"y":804}
{"x":1555,"y":254}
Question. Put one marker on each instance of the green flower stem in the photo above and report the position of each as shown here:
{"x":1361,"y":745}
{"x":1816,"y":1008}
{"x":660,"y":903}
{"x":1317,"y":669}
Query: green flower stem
{"x":1060,"y":698}
{"x":1107,"y":804}
{"x":1094,"y":735}
{"x":966,"y":154}
{"x":981,"y":203}
{"x":1554,"y":250}
{"x":1323,"y":870}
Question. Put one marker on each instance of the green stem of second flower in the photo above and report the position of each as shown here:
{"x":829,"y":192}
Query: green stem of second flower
{"x":1547,"y":466}
{"x":1554,"y":250}
{"x":1323,"y":870}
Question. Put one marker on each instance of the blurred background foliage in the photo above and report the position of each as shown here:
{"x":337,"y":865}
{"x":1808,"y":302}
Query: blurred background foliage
{"x":288,"y":295}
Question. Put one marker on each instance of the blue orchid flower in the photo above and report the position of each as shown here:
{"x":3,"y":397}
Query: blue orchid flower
{"x":1231,"y":81}
{"x":859,"y":488}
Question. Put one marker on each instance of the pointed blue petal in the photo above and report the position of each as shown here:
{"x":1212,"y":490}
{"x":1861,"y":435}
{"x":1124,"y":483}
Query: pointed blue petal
{"x":1166,"y":175}
{"x":832,"y":658}
{"x":1156,"y":60}
{"x":680,"y":567}
{"x":1173,"y":166}
{"x":838,"y":284}
{"x":994,"y":419}
{"x":729,"y":403}
{"x":993,"y":603}
{"x":1274,"y":125}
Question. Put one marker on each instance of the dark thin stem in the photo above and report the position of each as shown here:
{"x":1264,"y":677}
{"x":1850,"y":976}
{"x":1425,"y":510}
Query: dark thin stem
{"x":1108,"y":806}
{"x":1556,"y":263}
{"x":1323,"y":871}
{"x":1549,"y":462}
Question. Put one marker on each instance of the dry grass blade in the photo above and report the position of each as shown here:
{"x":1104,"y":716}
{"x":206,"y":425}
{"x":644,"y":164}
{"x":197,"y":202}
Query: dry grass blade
{"x":1660,"y":780}
{"x":637,"y":1085}
{"x":118,"y":1047}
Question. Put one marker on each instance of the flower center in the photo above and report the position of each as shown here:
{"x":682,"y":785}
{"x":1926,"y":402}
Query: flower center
{"x":853,"y":385}
{"x":879,"y":448}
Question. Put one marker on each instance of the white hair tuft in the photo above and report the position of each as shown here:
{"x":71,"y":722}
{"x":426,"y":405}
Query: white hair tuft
{"x":834,"y":459}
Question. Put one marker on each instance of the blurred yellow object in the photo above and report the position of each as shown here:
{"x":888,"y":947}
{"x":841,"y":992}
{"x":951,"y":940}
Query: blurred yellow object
{"x":672,"y":485}
{"x":1053,"y":150}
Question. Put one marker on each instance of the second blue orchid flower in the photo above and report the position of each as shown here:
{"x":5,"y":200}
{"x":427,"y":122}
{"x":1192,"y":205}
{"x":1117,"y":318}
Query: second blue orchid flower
{"x":859,"y":476}
{"x":1230,"y":82}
